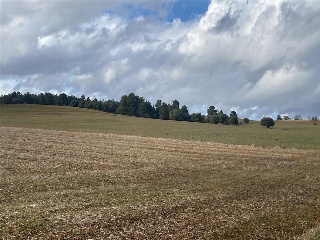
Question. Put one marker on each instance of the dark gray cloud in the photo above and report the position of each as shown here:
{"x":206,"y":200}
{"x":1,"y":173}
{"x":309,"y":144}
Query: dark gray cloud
{"x":260,"y":58}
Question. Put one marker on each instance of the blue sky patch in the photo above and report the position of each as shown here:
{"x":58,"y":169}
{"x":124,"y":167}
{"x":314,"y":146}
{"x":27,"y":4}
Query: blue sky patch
{"x":188,"y":10}
{"x":185,"y":10}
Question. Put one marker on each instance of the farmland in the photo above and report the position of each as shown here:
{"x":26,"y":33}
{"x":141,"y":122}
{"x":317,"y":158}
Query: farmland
{"x":286,"y":134}
{"x":79,"y":174}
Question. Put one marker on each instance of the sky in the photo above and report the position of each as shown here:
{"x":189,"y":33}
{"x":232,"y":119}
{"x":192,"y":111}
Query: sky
{"x":257,"y":57}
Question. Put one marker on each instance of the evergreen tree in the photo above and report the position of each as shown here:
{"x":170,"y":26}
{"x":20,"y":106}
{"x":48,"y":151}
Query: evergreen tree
{"x":123,"y":106}
{"x":184,"y":113}
{"x":233,"y":120}
{"x":223,"y":118}
{"x":133,"y":103}
{"x":196,"y":117}
{"x":146,"y":109}
{"x":214,"y":118}
{"x":28,"y":98}
{"x":48,"y":98}
{"x":175,"y":104}
{"x":211,"y":111}
{"x":88,"y":103}
{"x":164,"y":111}
{"x":41,"y":99}
{"x":174,"y":114}
{"x":82,"y":101}
{"x":157,"y":107}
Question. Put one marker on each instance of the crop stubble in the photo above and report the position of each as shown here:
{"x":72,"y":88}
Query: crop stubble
{"x":57,"y":184}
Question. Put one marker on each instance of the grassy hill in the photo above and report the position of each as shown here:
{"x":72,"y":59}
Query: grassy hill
{"x":285,"y":134}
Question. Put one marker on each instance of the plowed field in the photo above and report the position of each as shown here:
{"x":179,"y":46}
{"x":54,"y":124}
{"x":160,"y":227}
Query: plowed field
{"x":72,"y":185}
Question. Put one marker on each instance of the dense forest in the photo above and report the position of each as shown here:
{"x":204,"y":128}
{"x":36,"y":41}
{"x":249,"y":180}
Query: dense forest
{"x":131,"y":105}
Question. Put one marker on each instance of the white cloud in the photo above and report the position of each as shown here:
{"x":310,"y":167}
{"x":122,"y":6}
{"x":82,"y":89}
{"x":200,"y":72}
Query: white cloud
{"x":278,"y":84}
{"x":256,"y":57}
{"x":109,"y":75}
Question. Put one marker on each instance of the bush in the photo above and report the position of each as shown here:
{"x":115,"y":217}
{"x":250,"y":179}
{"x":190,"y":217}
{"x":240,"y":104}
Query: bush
{"x":267,"y":122}
{"x":233,"y":120}
{"x":246,"y":120}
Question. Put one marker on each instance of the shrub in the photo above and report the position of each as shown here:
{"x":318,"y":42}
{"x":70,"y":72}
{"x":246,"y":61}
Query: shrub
{"x":267,"y":121}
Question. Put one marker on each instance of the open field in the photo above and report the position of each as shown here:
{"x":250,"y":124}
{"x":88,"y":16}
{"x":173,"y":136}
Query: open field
{"x":285,"y":134}
{"x":313,"y":234}
{"x":69,"y":173}
{"x":77,"y":185}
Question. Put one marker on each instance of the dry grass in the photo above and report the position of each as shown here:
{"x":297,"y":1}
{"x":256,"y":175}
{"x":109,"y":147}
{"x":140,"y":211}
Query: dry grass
{"x":58,"y":185}
{"x":313,"y":234}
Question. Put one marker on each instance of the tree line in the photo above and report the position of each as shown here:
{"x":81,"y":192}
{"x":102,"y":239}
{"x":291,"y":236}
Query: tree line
{"x":131,"y":105}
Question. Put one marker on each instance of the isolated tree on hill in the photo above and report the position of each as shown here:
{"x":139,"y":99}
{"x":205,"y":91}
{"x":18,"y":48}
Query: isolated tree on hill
{"x":279,"y":117}
{"x":246,"y":120}
{"x":267,"y":122}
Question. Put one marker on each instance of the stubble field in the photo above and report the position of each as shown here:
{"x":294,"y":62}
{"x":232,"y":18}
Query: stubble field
{"x":100,"y":185}
{"x":57,"y":185}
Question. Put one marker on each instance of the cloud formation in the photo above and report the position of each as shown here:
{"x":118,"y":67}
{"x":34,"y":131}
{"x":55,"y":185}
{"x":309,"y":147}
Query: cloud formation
{"x":260,"y":58}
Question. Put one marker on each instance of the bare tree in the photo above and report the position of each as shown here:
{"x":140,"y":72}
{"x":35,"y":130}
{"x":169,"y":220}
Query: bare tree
{"x":297,"y":117}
